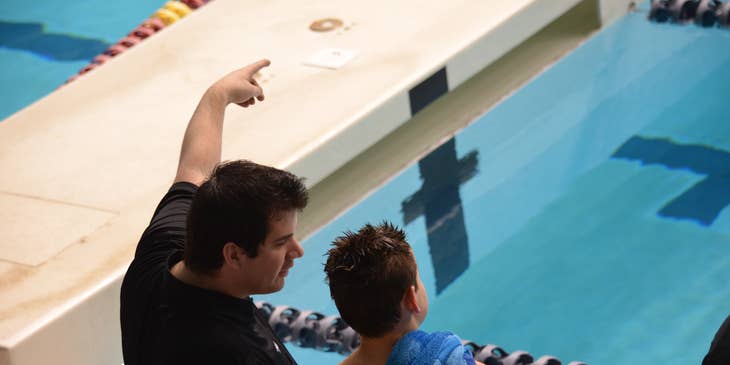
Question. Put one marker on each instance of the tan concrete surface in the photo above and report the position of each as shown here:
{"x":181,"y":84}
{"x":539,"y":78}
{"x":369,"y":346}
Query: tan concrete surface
{"x":55,"y":226}
{"x":610,"y":10}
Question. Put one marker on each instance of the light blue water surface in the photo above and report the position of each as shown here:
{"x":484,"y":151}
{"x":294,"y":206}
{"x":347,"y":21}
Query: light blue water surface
{"x":34,"y":64}
{"x":569,"y":254}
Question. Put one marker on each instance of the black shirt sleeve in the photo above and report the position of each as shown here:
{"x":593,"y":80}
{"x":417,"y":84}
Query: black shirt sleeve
{"x":140,"y":293}
{"x":166,"y":231}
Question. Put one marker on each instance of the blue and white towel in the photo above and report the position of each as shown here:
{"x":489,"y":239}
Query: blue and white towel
{"x":438,"y":348}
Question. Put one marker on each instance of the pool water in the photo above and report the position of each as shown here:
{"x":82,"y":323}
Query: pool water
{"x":43,"y":44}
{"x":584,"y":217}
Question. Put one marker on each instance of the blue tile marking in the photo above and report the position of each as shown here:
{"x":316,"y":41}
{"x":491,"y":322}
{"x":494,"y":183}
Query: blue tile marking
{"x":704,"y":201}
{"x":31,"y":37}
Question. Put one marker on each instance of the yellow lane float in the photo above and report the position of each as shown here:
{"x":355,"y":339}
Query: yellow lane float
{"x":178,"y":8}
{"x":167,"y":16}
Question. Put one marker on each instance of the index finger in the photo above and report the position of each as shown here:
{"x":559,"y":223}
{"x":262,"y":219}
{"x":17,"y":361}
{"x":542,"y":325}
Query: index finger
{"x":258,"y":65}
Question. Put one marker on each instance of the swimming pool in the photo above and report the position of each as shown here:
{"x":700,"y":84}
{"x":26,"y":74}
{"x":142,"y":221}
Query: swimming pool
{"x":589,"y":208}
{"x":67,"y":147}
{"x":574,"y":246}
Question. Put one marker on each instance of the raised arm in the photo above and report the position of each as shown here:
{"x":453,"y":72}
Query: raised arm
{"x":201,"y":146}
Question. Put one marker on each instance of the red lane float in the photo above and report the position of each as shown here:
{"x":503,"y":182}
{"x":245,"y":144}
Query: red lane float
{"x":129,"y":41}
{"x":154,"y":24}
{"x":142,"y":32}
{"x":114,"y":50}
{"x":193,"y":4}
{"x":100,"y":59}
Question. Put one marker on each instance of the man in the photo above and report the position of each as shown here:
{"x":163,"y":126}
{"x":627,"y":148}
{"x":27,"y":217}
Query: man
{"x":374,"y":281}
{"x":719,"y":353}
{"x":220,"y":234}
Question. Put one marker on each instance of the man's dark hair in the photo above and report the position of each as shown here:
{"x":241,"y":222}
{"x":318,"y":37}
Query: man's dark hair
{"x":235,"y":205}
{"x":368,"y":274}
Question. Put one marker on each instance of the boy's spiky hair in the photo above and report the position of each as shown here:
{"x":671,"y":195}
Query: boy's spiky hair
{"x":368,"y":273}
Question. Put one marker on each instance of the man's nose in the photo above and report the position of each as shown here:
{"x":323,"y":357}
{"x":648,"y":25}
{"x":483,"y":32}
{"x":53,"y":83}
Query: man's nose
{"x":298,"y":250}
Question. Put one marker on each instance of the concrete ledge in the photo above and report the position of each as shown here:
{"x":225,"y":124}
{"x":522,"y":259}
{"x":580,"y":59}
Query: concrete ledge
{"x":610,"y":10}
{"x":110,"y":141}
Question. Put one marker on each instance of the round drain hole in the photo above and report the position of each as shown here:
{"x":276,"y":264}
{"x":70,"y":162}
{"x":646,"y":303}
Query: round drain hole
{"x":325,"y":25}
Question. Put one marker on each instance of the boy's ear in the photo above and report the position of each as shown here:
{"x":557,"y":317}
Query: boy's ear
{"x":410,"y":301}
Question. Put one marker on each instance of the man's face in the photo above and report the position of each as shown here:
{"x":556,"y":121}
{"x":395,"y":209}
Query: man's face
{"x":266,"y":272}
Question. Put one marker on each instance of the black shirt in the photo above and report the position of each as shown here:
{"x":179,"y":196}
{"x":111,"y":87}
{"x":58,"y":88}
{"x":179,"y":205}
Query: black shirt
{"x":165,"y":321}
{"x":719,"y":353}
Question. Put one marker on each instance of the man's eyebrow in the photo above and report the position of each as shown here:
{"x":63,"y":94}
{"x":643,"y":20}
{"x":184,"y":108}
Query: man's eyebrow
{"x":283,"y":238}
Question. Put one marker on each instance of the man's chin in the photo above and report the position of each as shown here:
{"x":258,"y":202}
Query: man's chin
{"x":279,"y":285}
{"x":275,"y":287}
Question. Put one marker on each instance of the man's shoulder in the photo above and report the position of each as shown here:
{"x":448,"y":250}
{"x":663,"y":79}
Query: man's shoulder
{"x":167,"y":228}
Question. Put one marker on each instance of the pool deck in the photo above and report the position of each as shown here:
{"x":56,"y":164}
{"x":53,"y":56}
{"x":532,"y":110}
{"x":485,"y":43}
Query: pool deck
{"x":85,"y":166}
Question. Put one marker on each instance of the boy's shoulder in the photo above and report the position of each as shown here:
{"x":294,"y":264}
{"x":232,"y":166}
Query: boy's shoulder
{"x":349,"y":361}
{"x":354,"y":359}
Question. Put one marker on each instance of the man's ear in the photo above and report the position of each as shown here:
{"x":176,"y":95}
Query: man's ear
{"x":410,"y":300}
{"x":232,"y":254}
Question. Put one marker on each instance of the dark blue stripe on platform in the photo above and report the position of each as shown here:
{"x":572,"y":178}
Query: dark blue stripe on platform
{"x":427,"y":91}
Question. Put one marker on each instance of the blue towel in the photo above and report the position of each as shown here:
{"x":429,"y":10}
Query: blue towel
{"x":438,"y":348}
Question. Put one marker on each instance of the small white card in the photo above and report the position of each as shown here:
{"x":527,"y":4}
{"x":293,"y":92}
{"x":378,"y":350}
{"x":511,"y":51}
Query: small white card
{"x":331,"y":58}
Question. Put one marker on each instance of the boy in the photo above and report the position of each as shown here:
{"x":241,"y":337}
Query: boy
{"x":374,"y":282}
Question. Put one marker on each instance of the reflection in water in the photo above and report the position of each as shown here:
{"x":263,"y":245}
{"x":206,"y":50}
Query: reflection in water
{"x":704,"y":201}
{"x":439,"y":201}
